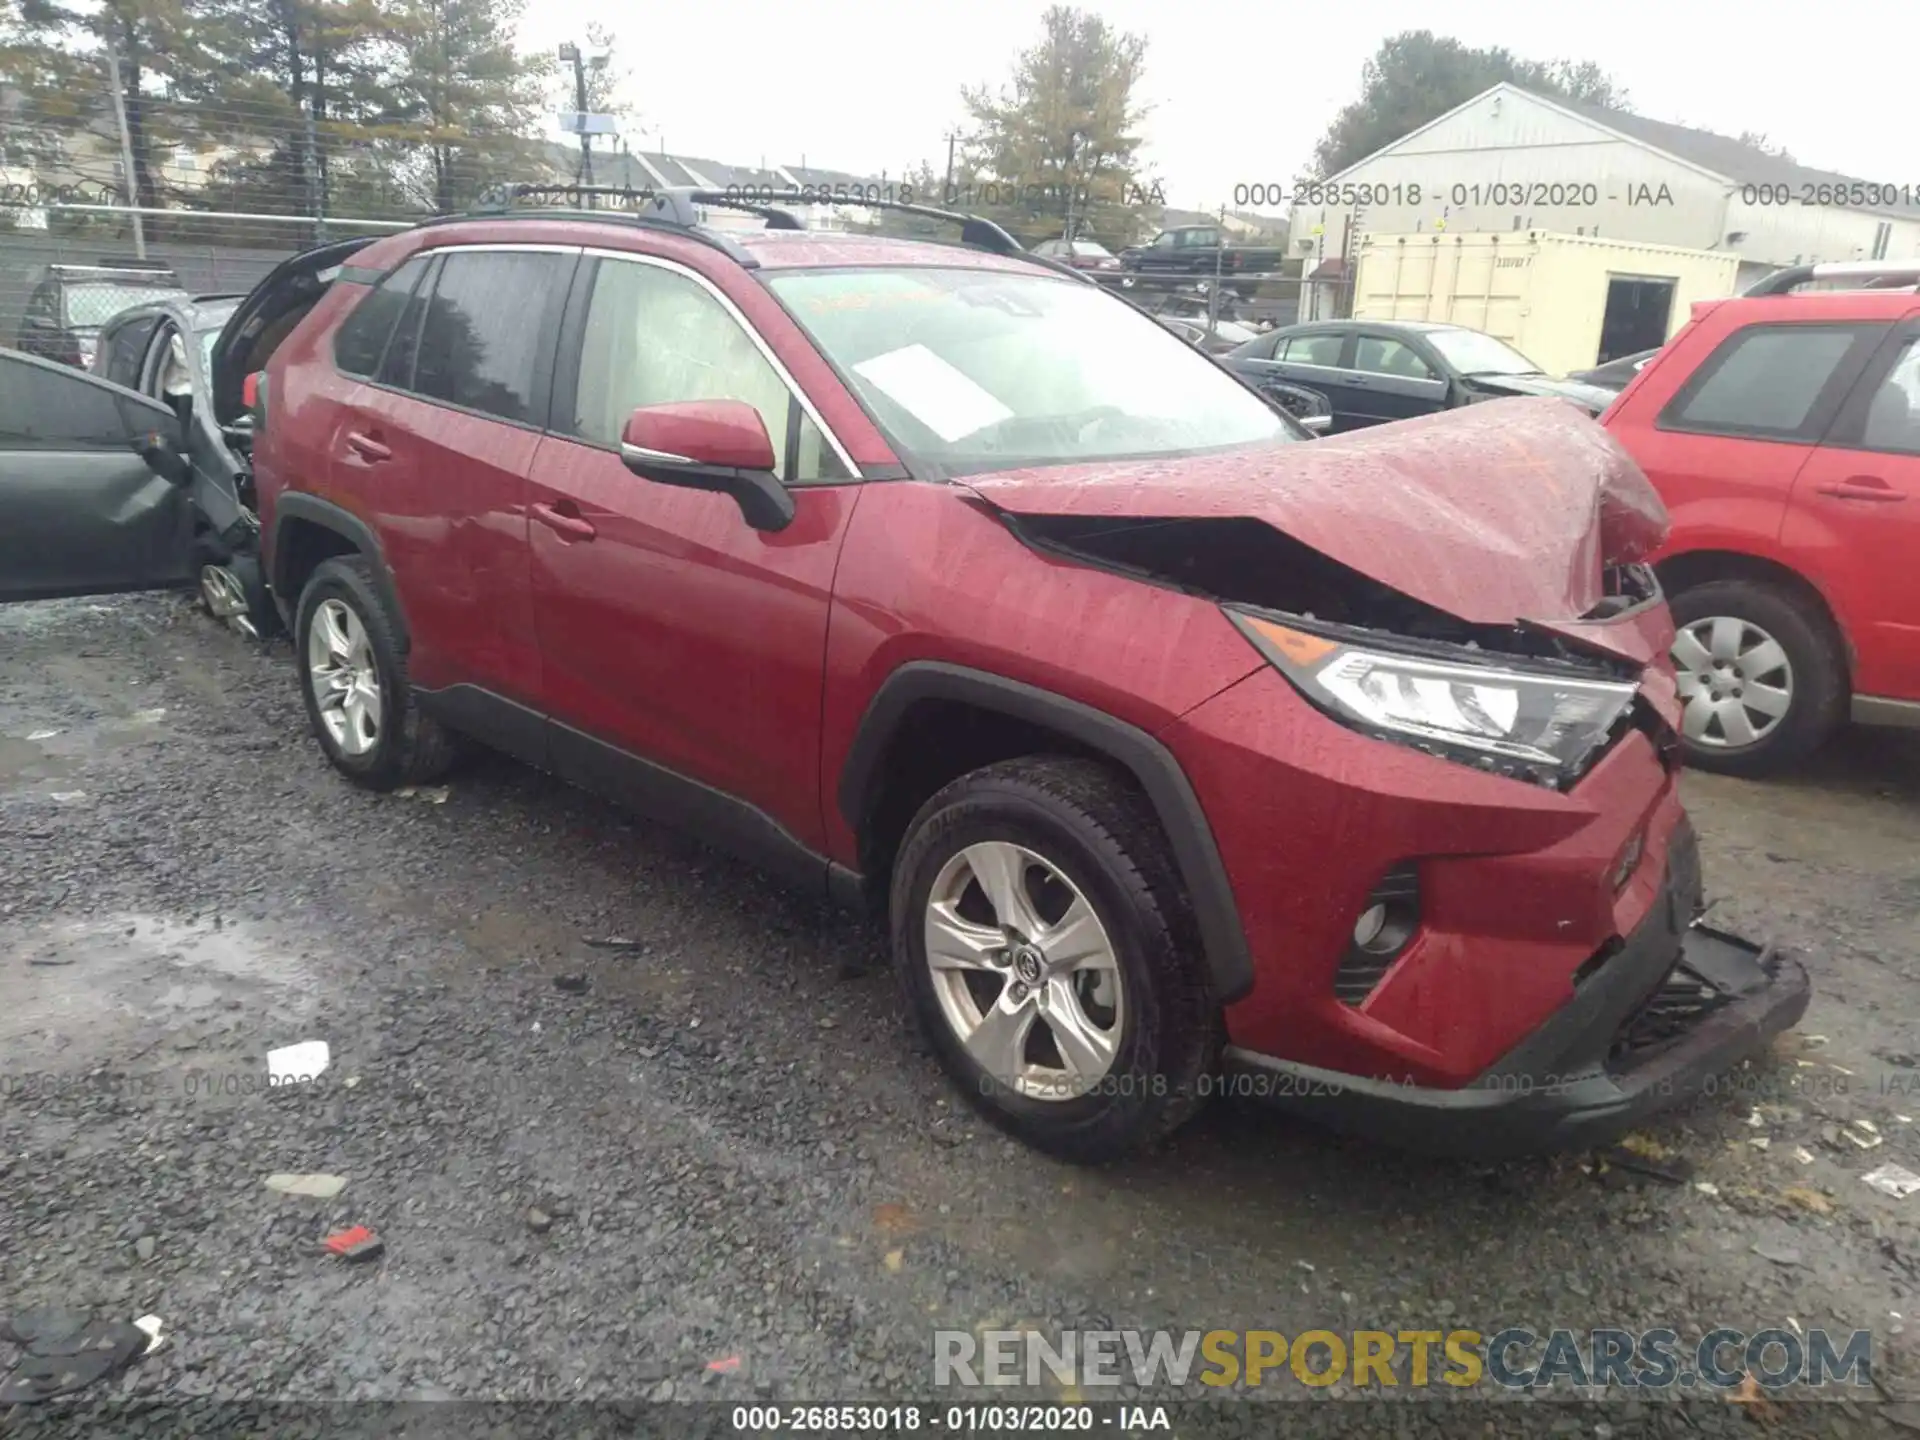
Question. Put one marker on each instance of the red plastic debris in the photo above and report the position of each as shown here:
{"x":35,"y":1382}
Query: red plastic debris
{"x":726,"y":1366}
{"x":357,"y":1243}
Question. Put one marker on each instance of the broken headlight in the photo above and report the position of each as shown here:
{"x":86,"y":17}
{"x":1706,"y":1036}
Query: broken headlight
{"x":1530,"y":724}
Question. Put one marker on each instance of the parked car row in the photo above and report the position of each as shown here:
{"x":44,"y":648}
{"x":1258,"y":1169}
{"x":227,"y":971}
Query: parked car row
{"x":1177,"y":754}
{"x":1375,"y":371}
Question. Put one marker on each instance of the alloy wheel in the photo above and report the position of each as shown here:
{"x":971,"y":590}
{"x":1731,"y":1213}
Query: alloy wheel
{"x":1735,"y":682}
{"x":1024,"y":971}
{"x":344,"y":677}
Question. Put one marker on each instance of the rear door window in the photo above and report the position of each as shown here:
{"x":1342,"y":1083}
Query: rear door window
{"x":487,"y":339}
{"x":1773,"y":382}
{"x":362,"y":338}
{"x":1323,"y":349}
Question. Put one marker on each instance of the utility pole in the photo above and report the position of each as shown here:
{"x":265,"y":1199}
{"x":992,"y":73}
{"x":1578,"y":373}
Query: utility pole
{"x":129,"y":188}
{"x":583,"y":175}
{"x":946,"y":195}
{"x":1073,"y":146}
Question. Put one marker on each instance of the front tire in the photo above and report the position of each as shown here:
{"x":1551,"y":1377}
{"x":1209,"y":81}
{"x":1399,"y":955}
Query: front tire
{"x":1762,"y":684}
{"x":353,"y":677}
{"x":1044,"y":942}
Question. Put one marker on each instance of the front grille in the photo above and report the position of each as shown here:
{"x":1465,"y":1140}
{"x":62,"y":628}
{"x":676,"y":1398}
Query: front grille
{"x":1365,"y":966}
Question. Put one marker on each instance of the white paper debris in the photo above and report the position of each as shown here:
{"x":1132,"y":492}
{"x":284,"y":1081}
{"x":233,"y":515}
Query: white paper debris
{"x":1803,"y":1155}
{"x":1753,"y":1119}
{"x":320,"y":1187}
{"x":150,"y":717}
{"x":1894,"y":1180}
{"x":1863,"y":1133}
{"x":149,"y":1325}
{"x":67,"y":797}
{"x":296,"y":1064}
{"x":1706,"y":1187}
{"x":1760,"y":1142}
{"x":432,"y":794}
{"x":43,"y":735}
{"x":940,"y":397}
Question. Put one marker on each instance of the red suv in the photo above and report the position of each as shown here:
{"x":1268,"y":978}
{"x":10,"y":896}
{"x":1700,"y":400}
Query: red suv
{"x":1185,"y":754}
{"x":1783,"y":431}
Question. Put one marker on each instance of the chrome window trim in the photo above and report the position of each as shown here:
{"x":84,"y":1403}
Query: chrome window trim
{"x":759,"y":343}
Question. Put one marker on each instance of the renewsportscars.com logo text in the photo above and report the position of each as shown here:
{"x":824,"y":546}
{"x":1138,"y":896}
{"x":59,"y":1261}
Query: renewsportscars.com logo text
{"x":1513,"y":1359}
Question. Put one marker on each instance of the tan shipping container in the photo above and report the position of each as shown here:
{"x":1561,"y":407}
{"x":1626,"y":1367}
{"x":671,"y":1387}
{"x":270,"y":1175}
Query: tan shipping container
{"x":1551,"y":296}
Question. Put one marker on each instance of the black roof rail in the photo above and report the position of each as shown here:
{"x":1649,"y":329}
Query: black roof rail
{"x":975,"y":230}
{"x":676,"y":209}
{"x":1785,"y":282}
{"x":495,"y":203}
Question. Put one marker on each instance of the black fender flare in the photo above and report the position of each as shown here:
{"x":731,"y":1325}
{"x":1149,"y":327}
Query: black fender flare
{"x":349,"y":527}
{"x":1223,"y":939}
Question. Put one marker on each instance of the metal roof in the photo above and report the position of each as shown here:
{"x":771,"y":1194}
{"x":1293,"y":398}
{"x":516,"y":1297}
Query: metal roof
{"x":1733,"y":159}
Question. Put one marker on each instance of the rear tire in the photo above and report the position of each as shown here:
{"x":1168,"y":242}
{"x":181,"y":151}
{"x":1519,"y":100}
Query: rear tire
{"x":1106,"y":1050}
{"x":353,"y":677}
{"x":1738,"y":645}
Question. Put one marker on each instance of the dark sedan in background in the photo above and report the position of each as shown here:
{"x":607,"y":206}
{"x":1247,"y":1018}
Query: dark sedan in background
{"x":71,"y":303}
{"x":1374,"y":371}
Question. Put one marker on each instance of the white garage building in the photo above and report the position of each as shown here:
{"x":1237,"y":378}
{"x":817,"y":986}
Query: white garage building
{"x":1510,"y":160}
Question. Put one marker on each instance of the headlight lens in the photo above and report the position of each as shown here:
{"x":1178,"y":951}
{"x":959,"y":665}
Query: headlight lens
{"x":1531,"y":724}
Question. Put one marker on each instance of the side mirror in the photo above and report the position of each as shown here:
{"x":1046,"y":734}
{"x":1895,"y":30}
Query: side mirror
{"x":164,"y":459}
{"x":714,"y":445}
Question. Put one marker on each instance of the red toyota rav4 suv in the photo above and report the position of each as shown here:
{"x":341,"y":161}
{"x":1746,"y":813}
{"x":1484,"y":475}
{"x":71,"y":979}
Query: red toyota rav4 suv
{"x":1783,"y":431}
{"x":1185,"y":753}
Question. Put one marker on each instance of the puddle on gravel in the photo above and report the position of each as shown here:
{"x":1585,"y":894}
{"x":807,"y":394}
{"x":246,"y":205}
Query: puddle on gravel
{"x":113,"y":991}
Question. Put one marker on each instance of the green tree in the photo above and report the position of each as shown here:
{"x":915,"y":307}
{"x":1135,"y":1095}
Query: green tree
{"x":462,"y":102}
{"x":302,"y":78}
{"x":1063,"y":130}
{"x":1416,"y":77}
{"x":56,"y":56}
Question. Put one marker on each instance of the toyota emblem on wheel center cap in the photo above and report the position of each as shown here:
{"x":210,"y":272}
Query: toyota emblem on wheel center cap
{"x":1027,"y":964}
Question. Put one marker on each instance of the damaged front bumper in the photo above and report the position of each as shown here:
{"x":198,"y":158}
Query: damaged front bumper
{"x":1658,"y":1017}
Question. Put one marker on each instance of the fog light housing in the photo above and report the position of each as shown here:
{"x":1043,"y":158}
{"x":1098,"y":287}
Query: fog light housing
{"x":1383,"y":929}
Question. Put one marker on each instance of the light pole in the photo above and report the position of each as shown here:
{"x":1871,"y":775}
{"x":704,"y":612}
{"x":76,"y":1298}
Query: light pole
{"x":570,"y":54}
{"x":1073,"y":148}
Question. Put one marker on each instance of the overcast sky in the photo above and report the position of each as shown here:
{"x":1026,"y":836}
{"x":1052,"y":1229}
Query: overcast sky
{"x":1240,"y":92}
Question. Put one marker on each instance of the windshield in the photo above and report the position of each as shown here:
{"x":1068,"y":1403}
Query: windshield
{"x":90,"y":304}
{"x":1092,"y":249}
{"x":975,"y":370}
{"x":1472,"y":353}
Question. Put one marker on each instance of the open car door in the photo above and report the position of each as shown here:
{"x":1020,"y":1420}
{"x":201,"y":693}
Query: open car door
{"x":82,"y":511}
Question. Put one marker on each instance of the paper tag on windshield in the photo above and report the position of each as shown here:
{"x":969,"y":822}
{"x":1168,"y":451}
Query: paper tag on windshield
{"x":933,"y":392}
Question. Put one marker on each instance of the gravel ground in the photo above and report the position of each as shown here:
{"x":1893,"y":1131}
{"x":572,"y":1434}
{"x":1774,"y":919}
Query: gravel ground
{"x":597,"y":1171}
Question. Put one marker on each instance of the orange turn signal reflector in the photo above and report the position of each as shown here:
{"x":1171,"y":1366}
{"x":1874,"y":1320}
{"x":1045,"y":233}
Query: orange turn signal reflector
{"x":250,"y":390}
{"x":1298,"y":646}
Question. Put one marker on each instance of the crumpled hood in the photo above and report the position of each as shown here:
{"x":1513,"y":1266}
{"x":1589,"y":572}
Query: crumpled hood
{"x":1495,"y":513}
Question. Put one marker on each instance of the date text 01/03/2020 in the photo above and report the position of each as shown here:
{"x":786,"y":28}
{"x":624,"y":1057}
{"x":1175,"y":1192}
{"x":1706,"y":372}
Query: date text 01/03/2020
{"x":906,"y":1418}
{"x":1576,"y":194}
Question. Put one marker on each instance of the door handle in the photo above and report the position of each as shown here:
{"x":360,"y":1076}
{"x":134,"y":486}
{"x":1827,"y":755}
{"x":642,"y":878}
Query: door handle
{"x":572,"y":526}
{"x":1863,"y":487}
{"x":367,"y":447}
{"x":1360,"y":380}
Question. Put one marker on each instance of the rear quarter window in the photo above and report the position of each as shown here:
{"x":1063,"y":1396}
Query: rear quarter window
{"x":1772,"y":382}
